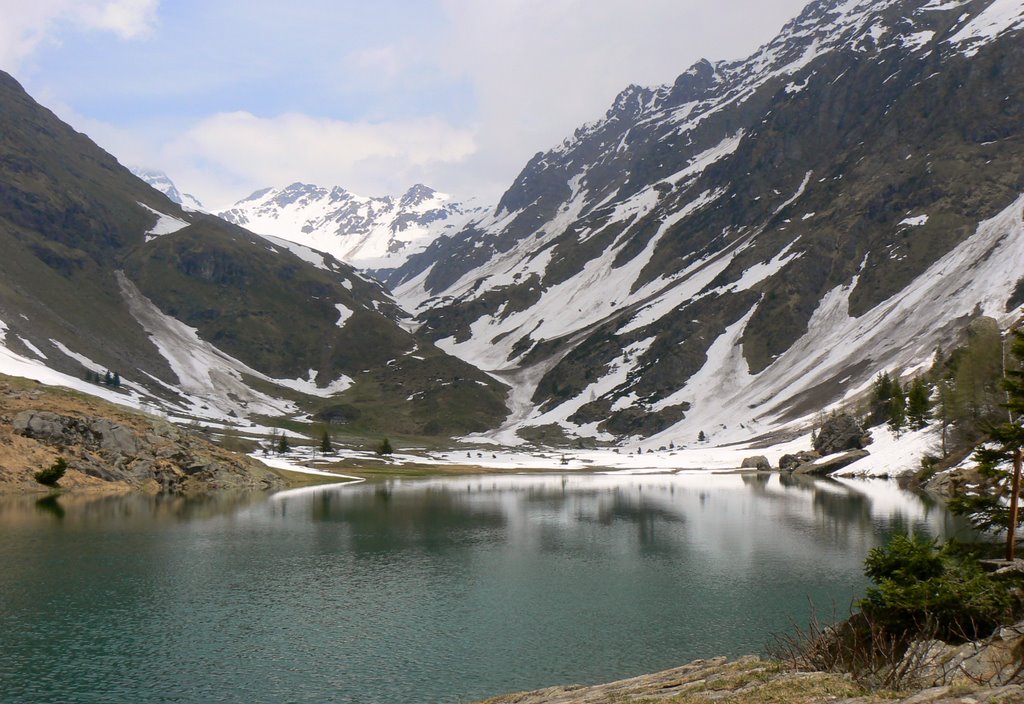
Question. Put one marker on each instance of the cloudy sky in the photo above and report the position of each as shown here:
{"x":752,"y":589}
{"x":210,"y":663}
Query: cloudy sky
{"x":228,"y":96}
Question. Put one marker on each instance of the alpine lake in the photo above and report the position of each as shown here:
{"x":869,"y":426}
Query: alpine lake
{"x":426,"y":590}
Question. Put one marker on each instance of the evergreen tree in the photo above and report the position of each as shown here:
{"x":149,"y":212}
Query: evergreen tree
{"x":919,"y":404}
{"x":977,"y":376}
{"x":384,"y":448}
{"x":1000,"y":460}
{"x":897,"y":411}
{"x":325,"y":442}
{"x":116,"y":381}
{"x":881,"y":397}
{"x":108,"y":379}
{"x":701,"y":437}
{"x":282,"y":444}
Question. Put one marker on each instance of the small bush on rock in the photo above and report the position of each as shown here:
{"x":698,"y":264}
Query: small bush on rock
{"x":52,"y":474}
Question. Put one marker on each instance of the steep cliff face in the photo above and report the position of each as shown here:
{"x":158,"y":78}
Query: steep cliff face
{"x":757,"y":240}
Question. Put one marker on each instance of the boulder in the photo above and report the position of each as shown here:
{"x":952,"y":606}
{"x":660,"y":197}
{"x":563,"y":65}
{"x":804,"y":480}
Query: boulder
{"x":841,"y":432}
{"x":827,"y":465}
{"x":757,"y":462}
{"x":788,"y":463}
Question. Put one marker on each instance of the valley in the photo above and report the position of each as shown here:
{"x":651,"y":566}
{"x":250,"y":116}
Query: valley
{"x":743,"y":345}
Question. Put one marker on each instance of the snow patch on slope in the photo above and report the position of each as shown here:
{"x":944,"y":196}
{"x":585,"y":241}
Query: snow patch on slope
{"x":208,"y":376}
{"x":1000,"y":17}
{"x":979,"y":275}
{"x":165,"y":224}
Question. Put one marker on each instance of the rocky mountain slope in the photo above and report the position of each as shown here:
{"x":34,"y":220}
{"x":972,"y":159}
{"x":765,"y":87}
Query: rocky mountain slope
{"x":200,"y":318}
{"x":369,"y":233}
{"x":736,"y":251}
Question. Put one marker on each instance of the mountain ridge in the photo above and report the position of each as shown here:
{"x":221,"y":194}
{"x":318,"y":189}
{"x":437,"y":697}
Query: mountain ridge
{"x":371,"y":233}
{"x":845,"y":159}
{"x":204,"y":320}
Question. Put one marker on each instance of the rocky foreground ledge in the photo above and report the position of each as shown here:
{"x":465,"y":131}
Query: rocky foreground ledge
{"x":110,"y":448}
{"x":986,"y":672}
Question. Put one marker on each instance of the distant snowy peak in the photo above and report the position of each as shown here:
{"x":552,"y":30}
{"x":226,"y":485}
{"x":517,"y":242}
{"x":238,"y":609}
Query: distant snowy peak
{"x":162,"y":182}
{"x":369,"y":233}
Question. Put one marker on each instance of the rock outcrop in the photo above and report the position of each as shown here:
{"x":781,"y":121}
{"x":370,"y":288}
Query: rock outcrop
{"x":998,"y":660}
{"x":108,"y":446}
{"x":827,"y":465}
{"x":788,"y":463}
{"x":985,"y":672}
{"x":839,"y":433}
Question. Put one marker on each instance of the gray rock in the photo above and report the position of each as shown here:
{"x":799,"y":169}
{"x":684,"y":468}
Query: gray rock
{"x":143,"y":470}
{"x":788,"y":463}
{"x":828,"y":465}
{"x":839,"y":433}
{"x":756,"y":462}
{"x":995,"y":661}
{"x":114,"y":437}
{"x":41,"y":425}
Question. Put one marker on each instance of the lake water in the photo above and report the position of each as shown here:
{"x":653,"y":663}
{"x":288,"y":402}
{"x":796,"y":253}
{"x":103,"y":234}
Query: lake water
{"x":442,"y":590}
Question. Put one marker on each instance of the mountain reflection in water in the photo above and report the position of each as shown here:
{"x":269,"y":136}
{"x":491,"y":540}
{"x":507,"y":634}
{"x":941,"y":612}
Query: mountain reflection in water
{"x":438,"y":590}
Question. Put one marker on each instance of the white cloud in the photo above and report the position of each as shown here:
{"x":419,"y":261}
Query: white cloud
{"x":380,"y":62}
{"x":126,"y":18}
{"x":239,"y":150}
{"x":457,"y":94}
{"x":26,"y":25}
{"x":541,"y":68}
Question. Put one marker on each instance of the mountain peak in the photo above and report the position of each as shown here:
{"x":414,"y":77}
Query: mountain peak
{"x":372,"y":233}
{"x":163,"y":183}
{"x":416,"y":195}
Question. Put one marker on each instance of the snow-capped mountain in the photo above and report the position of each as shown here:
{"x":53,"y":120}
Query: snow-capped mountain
{"x":201,"y":319}
{"x":736,"y":251}
{"x":369,"y":233}
{"x":163,"y":183}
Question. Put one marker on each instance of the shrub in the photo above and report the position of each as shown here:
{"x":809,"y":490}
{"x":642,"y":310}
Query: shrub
{"x":52,"y":474}
{"x":922,"y":592}
{"x":921,"y":587}
{"x":384,"y":448}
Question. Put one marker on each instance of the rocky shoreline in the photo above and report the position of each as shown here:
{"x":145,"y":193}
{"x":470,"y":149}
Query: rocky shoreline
{"x":985,"y":672}
{"x":111,"y":448}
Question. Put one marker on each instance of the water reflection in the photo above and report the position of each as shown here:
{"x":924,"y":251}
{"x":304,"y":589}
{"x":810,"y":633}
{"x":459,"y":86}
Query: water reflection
{"x":440,"y":590}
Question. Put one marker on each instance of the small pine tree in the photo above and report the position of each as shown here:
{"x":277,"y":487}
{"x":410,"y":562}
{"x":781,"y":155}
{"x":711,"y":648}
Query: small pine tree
{"x":897,"y":413}
{"x":108,"y":379}
{"x":52,"y":474}
{"x":116,"y":381}
{"x":919,"y":404}
{"x":882,"y":393}
{"x":325,"y":442}
{"x":282,"y":444}
{"x":385,"y":448}
{"x":701,"y":437}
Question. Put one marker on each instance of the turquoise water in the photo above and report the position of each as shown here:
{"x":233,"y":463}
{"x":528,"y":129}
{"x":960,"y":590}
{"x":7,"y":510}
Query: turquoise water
{"x":443,"y":590}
